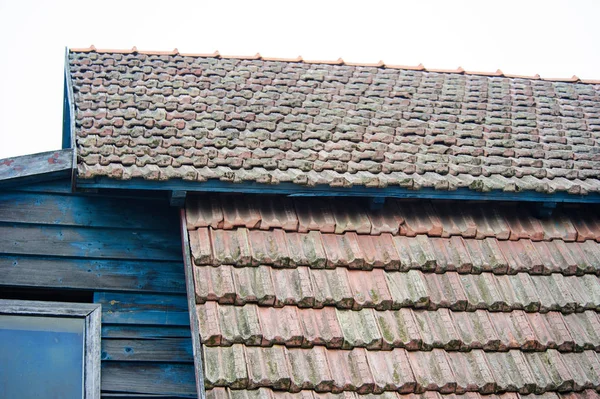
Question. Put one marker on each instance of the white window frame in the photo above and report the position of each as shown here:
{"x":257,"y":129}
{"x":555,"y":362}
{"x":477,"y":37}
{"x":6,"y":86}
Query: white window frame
{"x":88,"y":311}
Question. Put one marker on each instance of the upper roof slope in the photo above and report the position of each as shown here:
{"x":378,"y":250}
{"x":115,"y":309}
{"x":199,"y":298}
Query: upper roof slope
{"x":172,"y":116}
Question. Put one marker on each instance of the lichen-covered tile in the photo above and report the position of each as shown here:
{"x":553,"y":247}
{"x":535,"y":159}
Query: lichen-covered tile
{"x":306,"y":249}
{"x":351,"y":216}
{"x":321,"y":327}
{"x":239,"y":211}
{"x":586,"y":394}
{"x":523,"y":225}
{"x":432,"y":371}
{"x":519,"y":292}
{"x":200,"y":246}
{"x":343,"y":250}
{"x":269,"y":247}
{"x":584,"y":368}
{"x":591,"y":285}
{"x":277,"y":213}
{"x":551,"y":331}
{"x":359,"y":328}
{"x":556,"y":257}
{"x":399,"y":329}
{"x":309,"y":369}
{"x":225,"y":367}
{"x":454,"y":221}
{"x":379,"y":251}
{"x":332,"y":288}
{"x":220,"y":393}
{"x":293,"y":287}
{"x":254,"y":285}
{"x":451,"y":255}
{"x":514,"y":330}
{"x":386,"y":220}
{"x":260,"y":393}
{"x":214,"y":284}
{"x":511,"y":372}
{"x":416,"y":252}
{"x":419,"y":218}
{"x":475,"y":330}
{"x":558,"y":227}
{"x":482,"y":292}
{"x":560,"y":291}
{"x":369,"y":289}
{"x":437,"y":330}
{"x":585,"y":329}
{"x":391,"y":371}
{"x":490,"y":222}
{"x":239,"y":324}
{"x":267,"y":367}
{"x":591,"y":254}
{"x":208,"y":323}
{"x":314,"y":214}
{"x":408,"y":289}
{"x":445,"y":291}
{"x":231,"y":247}
{"x":521,"y":256}
{"x":486,"y":256}
{"x":471,"y":371}
{"x":549,"y":371}
{"x":280,"y":326}
{"x":203,"y":211}
{"x":351,"y":370}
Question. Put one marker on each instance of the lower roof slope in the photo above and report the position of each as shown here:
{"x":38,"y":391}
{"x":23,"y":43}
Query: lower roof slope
{"x":173,"y":117}
{"x":316,"y":297}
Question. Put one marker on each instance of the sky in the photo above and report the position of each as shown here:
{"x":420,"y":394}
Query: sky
{"x":552,"y":38}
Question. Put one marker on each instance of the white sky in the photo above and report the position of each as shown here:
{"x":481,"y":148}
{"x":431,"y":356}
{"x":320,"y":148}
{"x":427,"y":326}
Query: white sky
{"x":552,"y":38}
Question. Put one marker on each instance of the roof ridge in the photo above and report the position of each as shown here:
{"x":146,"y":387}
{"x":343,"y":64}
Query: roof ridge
{"x":339,"y":61}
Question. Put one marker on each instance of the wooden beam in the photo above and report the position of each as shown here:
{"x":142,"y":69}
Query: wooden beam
{"x":35,"y":168}
{"x":177,"y":198}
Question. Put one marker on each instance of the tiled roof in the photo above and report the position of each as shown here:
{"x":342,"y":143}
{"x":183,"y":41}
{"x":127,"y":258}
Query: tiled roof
{"x":323,"y":298}
{"x":196,"y":118}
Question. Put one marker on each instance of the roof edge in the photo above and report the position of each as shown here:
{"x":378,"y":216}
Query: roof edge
{"x":339,"y":61}
{"x":295,"y":190}
{"x":35,"y":168}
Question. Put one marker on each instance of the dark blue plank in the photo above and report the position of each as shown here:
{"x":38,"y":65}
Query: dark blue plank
{"x":92,"y":274}
{"x":172,"y":350}
{"x":144,"y":332}
{"x":324,"y":190}
{"x":89,"y":242}
{"x":148,"y":378}
{"x":87,"y":211}
{"x":120,"y":308}
{"x":62,"y":186}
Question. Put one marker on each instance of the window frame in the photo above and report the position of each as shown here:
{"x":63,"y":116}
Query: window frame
{"x":92,"y":313}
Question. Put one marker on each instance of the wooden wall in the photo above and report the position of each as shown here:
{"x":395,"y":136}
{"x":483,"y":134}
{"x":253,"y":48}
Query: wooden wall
{"x":125,"y":252}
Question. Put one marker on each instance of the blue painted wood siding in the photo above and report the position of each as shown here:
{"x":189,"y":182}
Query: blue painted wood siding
{"x":127,"y":252}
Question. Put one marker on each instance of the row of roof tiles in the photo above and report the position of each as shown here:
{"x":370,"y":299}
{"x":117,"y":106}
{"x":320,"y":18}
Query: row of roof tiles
{"x":266,"y":393}
{"x":334,"y":370}
{"x":339,"y":61}
{"x":384,"y":290}
{"x":397,"y":217}
{"x":252,"y":325}
{"x":243,"y":247}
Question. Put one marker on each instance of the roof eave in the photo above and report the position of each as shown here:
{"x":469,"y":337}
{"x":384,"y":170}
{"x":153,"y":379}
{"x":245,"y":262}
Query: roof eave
{"x":36,"y":168}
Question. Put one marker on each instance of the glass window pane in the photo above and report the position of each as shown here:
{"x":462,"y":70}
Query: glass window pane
{"x":41,"y":357}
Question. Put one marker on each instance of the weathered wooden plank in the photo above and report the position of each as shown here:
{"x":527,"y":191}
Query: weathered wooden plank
{"x":144,"y":332}
{"x":148,"y":378}
{"x":61,"y":186}
{"x":43,"y":166}
{"x":178,"y":350}
{"x":194,"y":323}
{"x":120,"y":308}
{"x":89,"y":242}
{"x":70,"y":210}
{"x":92,"y":274}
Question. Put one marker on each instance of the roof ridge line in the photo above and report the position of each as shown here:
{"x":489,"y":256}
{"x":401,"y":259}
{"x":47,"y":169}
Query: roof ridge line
{"x":339,"y":61}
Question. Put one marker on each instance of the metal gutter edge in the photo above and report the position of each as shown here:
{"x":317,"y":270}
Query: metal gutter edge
{"x":69,"y":119}
{"x":291,"y":189}
{"x":191,"y":297}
